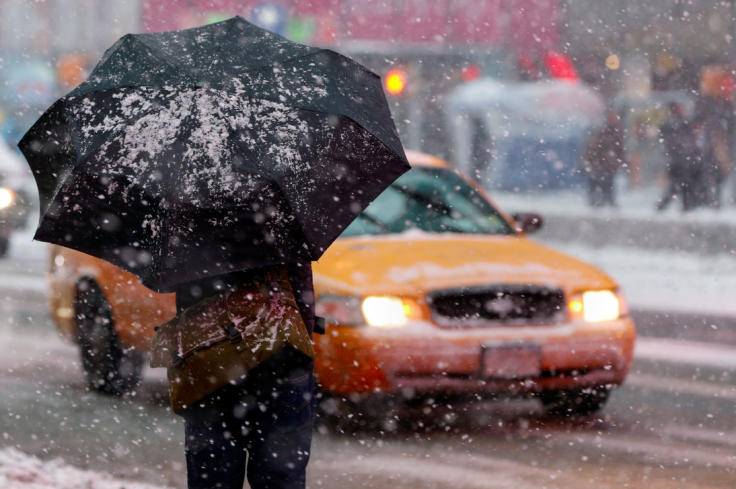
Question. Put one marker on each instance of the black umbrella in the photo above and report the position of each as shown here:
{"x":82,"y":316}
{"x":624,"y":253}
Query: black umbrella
{"x":193,"y":153}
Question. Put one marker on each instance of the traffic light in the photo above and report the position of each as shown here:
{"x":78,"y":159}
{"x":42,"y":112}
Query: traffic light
{"x":395,"y":82}
{"x":560,"y":66}
{"x":470,"y":72}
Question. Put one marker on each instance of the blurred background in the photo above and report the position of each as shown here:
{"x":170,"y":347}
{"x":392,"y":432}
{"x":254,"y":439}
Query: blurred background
{"x":636,"y":57}
{"x":517,"y":94}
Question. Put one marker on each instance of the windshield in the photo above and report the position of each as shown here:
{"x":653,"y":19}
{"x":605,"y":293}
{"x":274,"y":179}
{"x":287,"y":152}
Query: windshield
{"x":434,"y":200}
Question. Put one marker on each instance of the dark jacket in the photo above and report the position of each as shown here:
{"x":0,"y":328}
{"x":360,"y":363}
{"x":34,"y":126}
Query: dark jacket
{"x":676,"y":135}
{"x":604,"y":153}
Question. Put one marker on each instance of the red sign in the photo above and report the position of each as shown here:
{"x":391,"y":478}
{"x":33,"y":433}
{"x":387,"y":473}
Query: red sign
{"x":162,"y":15}
{"x":423,"y":21}
{"x":526,"y":25}
{"x":479,"y":21}
{"x":368,"y":20}
{"x":317,"y":7}
{"x":534,"y":24}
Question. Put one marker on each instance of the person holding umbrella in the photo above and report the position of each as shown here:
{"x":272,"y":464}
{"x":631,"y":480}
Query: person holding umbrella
{"x":217,"y":163}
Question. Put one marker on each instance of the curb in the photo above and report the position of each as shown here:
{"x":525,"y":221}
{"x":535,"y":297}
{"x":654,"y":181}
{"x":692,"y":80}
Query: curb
{"x":704,"y":238}
{"x":719,"y":330}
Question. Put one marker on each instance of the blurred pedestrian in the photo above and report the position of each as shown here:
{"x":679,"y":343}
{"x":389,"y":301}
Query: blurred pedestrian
{"x":692,"y":149}
{"x":675,"y":137}
{"x":716,"y":122}
{"x":604,"y":156}
{"x":709,"y":163}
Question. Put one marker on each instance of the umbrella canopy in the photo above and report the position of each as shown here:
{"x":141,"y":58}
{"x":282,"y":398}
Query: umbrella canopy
{"x":193,"y":153}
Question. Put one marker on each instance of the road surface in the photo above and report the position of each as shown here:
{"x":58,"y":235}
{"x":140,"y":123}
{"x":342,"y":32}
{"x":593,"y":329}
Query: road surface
{"x":672,"y":426}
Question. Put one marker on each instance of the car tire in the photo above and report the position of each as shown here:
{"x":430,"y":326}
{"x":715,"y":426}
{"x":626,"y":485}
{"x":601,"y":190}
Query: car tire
{"x":108,"y":367}
{"x":573,"y":403}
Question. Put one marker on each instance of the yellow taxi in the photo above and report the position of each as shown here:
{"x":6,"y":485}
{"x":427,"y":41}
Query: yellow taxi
{"x":432,"y":291}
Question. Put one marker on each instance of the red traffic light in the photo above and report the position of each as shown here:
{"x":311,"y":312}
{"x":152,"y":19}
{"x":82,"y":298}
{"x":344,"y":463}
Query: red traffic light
{"x":560,"y":66}
{"x":395,"y":82}
{"x":470,"y":72}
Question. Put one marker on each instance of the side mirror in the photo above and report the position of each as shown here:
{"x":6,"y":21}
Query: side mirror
{"x":528,"y":223}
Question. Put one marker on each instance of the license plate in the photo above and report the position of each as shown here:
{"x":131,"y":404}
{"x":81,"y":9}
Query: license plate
{"x":511,"y":361}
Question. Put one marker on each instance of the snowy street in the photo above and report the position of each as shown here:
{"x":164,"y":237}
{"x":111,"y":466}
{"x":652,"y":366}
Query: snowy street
{"x":398,"y":244}
{"x":672,"y":424}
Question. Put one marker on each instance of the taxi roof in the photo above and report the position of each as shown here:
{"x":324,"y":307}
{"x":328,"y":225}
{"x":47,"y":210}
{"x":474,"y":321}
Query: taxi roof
{"x":417,"y":158}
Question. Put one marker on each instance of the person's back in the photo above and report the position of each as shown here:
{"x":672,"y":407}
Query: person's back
{"x":240,"y":367}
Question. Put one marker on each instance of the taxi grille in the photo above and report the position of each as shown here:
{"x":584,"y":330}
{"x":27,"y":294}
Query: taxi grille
{"x":497,"y":305}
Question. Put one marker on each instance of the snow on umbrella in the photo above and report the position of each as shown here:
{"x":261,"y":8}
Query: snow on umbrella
{"x":193,"y":153}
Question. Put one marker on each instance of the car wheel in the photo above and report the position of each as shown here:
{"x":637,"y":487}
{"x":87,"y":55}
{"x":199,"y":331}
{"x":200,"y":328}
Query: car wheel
{"x":574,"y":402}
{"x":108,"y":367}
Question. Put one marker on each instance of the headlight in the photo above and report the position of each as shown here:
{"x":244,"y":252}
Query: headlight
{"x":597,"y":305}
{"x":384,"y":312}
{"x":7,"y":197}
{"x":340,"y":309}
{"x":378,"y":311}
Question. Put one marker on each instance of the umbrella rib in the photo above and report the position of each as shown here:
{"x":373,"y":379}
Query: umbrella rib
{"x":287,"y":60}
{"x":219,"y":48}
{"x":155,"y":53}
{"x":399,"y":154}
{"x":295,"y":58}
{"x":81,"y":90}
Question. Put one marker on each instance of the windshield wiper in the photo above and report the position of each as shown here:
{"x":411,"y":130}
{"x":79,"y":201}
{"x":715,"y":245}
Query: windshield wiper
{"x":425,"y":199}
{"x":440,"y":206}
{"x":375,"y":221}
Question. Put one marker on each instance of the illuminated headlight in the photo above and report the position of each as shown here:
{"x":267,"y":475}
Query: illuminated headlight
{"x":600,"y":305}
{"x":384,"y":312}
{"x":597,"y":305}
{"x":342,"y":310}
{"x":6,"y":197}
{"x":377,"y":311}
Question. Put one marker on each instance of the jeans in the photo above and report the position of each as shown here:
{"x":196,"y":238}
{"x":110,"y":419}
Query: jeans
{"x":264,"y":422}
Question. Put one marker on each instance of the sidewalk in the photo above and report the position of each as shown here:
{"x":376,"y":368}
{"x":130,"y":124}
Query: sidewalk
{"x":634,"y":223}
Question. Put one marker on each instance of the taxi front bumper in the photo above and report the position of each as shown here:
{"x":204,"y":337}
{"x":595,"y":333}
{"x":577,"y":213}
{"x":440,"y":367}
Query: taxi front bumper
{"x":422,"y":359}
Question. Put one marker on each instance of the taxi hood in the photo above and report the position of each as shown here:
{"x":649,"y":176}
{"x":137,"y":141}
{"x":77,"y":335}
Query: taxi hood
{"x":414,"y":263}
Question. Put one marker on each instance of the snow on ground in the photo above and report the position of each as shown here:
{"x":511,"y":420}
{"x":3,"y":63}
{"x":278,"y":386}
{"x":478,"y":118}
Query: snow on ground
{"x":20,"y":471}
{"x":665,"y":281}
{"x":22,"y":245}
{"x":636,"y":204}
